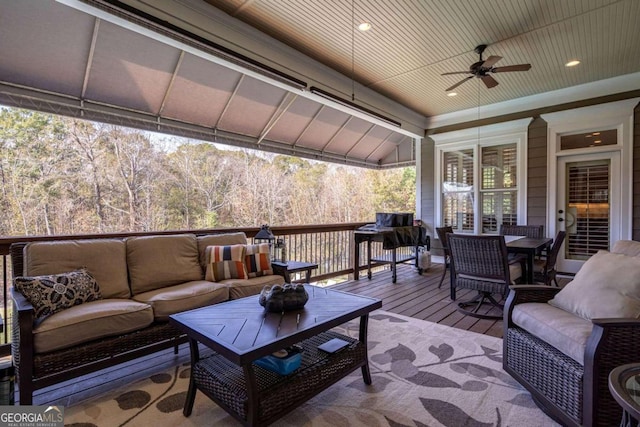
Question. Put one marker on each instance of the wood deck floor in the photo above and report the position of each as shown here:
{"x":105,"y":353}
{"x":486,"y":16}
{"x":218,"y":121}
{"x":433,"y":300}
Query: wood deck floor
{"x":418,"y":296}
{"x":412,"y":295}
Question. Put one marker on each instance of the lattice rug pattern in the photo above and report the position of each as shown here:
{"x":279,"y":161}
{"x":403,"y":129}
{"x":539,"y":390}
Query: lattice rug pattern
{"x":424,"y":374}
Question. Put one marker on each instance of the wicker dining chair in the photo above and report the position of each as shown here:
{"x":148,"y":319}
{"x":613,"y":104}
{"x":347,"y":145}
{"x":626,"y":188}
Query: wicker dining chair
{"x":442,"y":235}
{"x":544,"y":269}
{"x":481,"y":263}
{"x":532,"y":231}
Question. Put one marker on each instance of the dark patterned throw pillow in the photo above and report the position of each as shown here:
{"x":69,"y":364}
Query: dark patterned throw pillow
{"x":56,"y":292}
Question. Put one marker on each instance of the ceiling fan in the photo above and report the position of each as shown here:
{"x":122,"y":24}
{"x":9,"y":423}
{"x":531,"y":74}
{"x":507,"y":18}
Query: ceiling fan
{"x":483,"y":68}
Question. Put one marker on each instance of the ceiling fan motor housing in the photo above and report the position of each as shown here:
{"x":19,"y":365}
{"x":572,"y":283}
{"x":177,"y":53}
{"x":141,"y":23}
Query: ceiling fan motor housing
{"x":478,"y":69}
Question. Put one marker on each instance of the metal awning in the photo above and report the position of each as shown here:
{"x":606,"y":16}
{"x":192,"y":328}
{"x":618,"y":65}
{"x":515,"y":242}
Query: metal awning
{"x":106,"y":65}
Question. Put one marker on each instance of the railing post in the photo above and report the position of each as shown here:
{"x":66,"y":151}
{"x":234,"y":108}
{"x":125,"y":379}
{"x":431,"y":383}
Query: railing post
{"x":352,"y":256}
{"x":5,"y":277}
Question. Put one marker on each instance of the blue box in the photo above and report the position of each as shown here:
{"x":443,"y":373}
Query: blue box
{"x":281,"y":365}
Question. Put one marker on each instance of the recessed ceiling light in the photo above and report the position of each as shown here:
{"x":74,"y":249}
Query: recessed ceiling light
{"x":572,"y":63}
{"x":597,"y":141}
{"x":596,"y":133}
{"x":452,"y":94}
{"x":365,"y":26}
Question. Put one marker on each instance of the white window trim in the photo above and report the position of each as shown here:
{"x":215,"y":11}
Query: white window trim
{"x":614,"y":115}
{"x":483,"y":136}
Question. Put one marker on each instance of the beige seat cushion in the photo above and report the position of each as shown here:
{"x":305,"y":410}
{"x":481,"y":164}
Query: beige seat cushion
{"x":90,"y":321}
{"x":606,"y":286}
{"x":186,"y":296}
{"x":156,"y":262}
{"x":539,"y":265}
{"x":224,"y":239}
{"x":253,"y":286}
{"x":515,"y":271}
{"x":104,"y":259}
{"x":562,"y":330}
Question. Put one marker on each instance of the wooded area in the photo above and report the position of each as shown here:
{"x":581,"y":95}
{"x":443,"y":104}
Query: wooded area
{"x":61,"y":175}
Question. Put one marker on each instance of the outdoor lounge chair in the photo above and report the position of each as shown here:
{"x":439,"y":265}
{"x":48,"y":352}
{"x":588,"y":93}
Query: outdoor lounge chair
{"x":481,"y":263}
{"x":561,"y":344}
{"x":533,"y":231}
{"x":442,"y":235}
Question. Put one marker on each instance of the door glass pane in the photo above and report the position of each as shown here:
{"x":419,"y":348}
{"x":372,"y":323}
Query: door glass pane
{"x":457,"y":190}
{"x":591,"y":139}
{"x":588,"y":214}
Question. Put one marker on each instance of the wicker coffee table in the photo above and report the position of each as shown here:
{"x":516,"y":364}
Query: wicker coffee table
{"x":241,"y":331}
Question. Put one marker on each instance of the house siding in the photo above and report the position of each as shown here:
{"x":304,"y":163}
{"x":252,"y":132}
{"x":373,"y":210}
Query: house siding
{"x":427,"y":196}
{"x":537,"y":172}
{"x":636,"y":173}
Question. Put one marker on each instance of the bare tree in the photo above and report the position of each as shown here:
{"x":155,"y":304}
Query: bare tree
{"x":90,"y":139}
{"x":134,"y":159}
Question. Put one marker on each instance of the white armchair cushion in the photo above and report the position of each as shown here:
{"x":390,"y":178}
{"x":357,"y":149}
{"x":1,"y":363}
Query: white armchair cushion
{"x":607,"y":286}
{"x":558,"y":328}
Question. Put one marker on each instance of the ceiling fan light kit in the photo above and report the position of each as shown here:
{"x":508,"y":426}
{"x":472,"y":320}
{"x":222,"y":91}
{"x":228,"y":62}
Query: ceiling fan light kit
{"x":484,"y":68}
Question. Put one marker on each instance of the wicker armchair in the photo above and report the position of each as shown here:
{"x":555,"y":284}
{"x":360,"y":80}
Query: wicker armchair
{"x":442,"y":235}
{"x":532,"y":231}
{"x":572,"y":393}
{"x":481,"y":263}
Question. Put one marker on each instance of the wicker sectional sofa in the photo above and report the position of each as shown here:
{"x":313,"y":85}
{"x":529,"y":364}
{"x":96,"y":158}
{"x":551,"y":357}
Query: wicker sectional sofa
{"x":562,"y":354}
{"x":142,"y":280}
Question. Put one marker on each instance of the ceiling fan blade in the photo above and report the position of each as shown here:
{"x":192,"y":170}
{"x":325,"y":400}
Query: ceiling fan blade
{"x":488,"y":63}
{"x":489,"y":81}
{"x":459,"y":83}
{"x":519,"y":67}
{"x":456,"y":72}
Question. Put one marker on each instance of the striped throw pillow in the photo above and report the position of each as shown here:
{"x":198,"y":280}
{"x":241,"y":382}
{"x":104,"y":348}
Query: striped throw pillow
{"x":226,"y":262}
{"x":257,"y":260}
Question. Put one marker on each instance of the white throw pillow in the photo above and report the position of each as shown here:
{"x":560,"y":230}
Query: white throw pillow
{"x":626,"y":247}
{"x":607,"y":286}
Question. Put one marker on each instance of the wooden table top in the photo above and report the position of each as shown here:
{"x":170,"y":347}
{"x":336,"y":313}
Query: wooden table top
{"x":529,"y":243}
{"x":242,"y":331}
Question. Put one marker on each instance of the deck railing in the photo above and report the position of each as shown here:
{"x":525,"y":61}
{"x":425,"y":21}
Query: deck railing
{"x":331,"y":246}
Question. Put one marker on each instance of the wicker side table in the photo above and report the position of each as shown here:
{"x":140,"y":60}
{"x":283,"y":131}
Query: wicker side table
{"x":225,"y":383}
{"x":624,"y":384}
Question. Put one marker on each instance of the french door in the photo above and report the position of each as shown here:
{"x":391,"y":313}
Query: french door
{"x":587,"y":207}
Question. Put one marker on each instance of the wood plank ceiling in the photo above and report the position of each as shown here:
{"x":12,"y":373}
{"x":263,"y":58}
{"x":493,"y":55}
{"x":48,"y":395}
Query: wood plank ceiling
{"x":412,"y":42}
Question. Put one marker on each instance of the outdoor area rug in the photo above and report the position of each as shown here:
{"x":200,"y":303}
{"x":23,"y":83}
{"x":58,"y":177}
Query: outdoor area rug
{"x":424,"y":374}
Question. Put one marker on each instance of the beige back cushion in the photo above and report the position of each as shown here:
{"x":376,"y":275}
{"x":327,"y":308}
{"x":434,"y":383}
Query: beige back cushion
{"x":626,"y":247}
{"x":159,"y":261}
{"x":105,"y":259}
{"x":606,"y":286}
{"x":225,"y":239}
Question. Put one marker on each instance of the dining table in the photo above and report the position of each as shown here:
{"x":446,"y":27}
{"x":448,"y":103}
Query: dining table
{"x":529,"y":247}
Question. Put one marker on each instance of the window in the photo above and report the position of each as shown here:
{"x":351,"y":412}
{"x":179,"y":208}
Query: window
{"x":590,"y":139}
{"x":499,"y":194}
{"x":457,"y":189}
{"x":481,"y":177}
